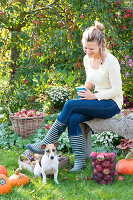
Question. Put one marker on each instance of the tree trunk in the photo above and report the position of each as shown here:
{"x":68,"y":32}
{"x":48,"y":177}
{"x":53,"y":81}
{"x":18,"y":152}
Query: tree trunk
{"x":14,"y":55}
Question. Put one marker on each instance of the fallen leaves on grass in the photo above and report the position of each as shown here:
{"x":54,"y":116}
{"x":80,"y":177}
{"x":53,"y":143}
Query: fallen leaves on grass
{"x":65,"y":178}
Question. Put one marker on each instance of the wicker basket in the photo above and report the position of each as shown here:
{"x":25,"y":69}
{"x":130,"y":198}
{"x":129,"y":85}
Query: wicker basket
{"x":26,"y":126}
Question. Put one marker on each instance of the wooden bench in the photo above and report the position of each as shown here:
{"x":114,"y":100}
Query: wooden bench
{"x":119,"y":124}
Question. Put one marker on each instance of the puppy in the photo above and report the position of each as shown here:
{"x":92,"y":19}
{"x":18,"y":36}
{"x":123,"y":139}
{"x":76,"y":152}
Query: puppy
{"x":48,"y":163}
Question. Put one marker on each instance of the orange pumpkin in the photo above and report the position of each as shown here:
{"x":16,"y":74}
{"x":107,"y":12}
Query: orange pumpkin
{"x":5,"y":184}
{"x":3,"y":170}
{"x":18,"y":178}
{"x":125,"y":166}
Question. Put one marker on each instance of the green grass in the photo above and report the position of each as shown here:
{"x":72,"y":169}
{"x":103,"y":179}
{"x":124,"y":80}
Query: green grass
{"x":70,"y":189}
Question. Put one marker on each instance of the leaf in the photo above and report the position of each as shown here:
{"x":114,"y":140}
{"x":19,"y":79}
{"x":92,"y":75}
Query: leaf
{"x":65,"y":178}
{"x":77,"y":179}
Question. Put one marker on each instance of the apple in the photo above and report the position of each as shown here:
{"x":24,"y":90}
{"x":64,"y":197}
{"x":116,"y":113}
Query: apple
{"x":103,"y":182}
{"x":72,"y":28}
{"x":106,"y":171}
{"x":25,"y":81}
{"x":40,"y":15}
{"x":16,"y":114}
{"x":34,"y":21}
{"x":38,"y":53}
{"x":30,"y":113}
{"x":38,"y":113}
{"x":60,"y":24}
{"x":115,"y":15}
{"x":120,"y":178}
{"x":124,"y":27}
{"x":100,"y":157}
{"x":107,"y":177}
{"x":69,"y":37}
{"x":82,"y":16}
{"x":67,"y":10}
{"x":106,"y":164}
{"x":22,"y":115}
{"x":99,"y":168}
{"x":1,"y":13}
{"x":116,"y":173}
{"x":93,"y":154}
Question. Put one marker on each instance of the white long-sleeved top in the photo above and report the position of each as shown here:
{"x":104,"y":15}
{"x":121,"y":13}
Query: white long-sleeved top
{"x":106,"y":79}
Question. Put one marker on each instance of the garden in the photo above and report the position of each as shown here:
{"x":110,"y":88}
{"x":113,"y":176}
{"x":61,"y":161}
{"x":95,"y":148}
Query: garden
{"x":41,"y":65}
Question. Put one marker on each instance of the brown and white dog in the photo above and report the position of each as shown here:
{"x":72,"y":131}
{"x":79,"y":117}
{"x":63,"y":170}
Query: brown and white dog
{"x":48,"y":163}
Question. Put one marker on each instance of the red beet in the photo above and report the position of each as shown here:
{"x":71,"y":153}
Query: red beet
{"x":99,"y":168}
{"x":106,"y":164}
{"x":106,"y":171}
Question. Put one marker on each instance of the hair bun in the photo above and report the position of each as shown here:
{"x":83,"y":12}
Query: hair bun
{"x":99,"y":25}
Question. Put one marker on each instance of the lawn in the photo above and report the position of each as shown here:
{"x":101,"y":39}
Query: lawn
{"x":74,"y":187}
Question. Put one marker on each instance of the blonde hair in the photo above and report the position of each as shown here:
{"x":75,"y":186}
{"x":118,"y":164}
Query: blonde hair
{"x":95,"y":33}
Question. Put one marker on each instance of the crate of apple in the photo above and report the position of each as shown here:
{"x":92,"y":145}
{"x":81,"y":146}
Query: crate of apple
{"x":103,"y":166}
{"x":27,"y":113}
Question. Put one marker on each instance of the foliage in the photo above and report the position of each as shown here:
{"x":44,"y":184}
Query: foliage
{"x":127,"y":74}
{"x":38,"y":38}
{"x":9,"y":139}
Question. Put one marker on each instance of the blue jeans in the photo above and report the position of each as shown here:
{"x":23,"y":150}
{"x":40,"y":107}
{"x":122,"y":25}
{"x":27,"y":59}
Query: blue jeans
{"x":76,"y":111}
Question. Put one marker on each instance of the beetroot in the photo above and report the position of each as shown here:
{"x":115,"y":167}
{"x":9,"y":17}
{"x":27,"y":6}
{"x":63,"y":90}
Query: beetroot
{"x":106,"y":171}
{"x":99,"y":168}
{"x":106,"y":164}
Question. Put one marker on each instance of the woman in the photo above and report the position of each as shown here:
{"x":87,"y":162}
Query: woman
{"x":102,"y":74}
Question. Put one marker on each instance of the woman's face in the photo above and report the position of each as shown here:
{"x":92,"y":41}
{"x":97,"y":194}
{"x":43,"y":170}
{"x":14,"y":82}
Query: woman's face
{"x":92,"y":49}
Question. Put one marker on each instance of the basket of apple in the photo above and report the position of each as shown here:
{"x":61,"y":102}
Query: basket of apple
{"x":103,"y":166}
{"x":26,"y":122}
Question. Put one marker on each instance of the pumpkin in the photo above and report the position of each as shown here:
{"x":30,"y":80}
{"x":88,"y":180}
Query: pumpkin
{"x":125,"y":166}
{"x":5,"y":184}
{"x":18,"y":178}
{"x":3,"y":170}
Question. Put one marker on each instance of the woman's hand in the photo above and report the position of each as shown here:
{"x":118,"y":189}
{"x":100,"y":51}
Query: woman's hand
{"x":86,"y":95}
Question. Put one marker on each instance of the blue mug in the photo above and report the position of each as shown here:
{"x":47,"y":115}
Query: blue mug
{"x":80,"y":88}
